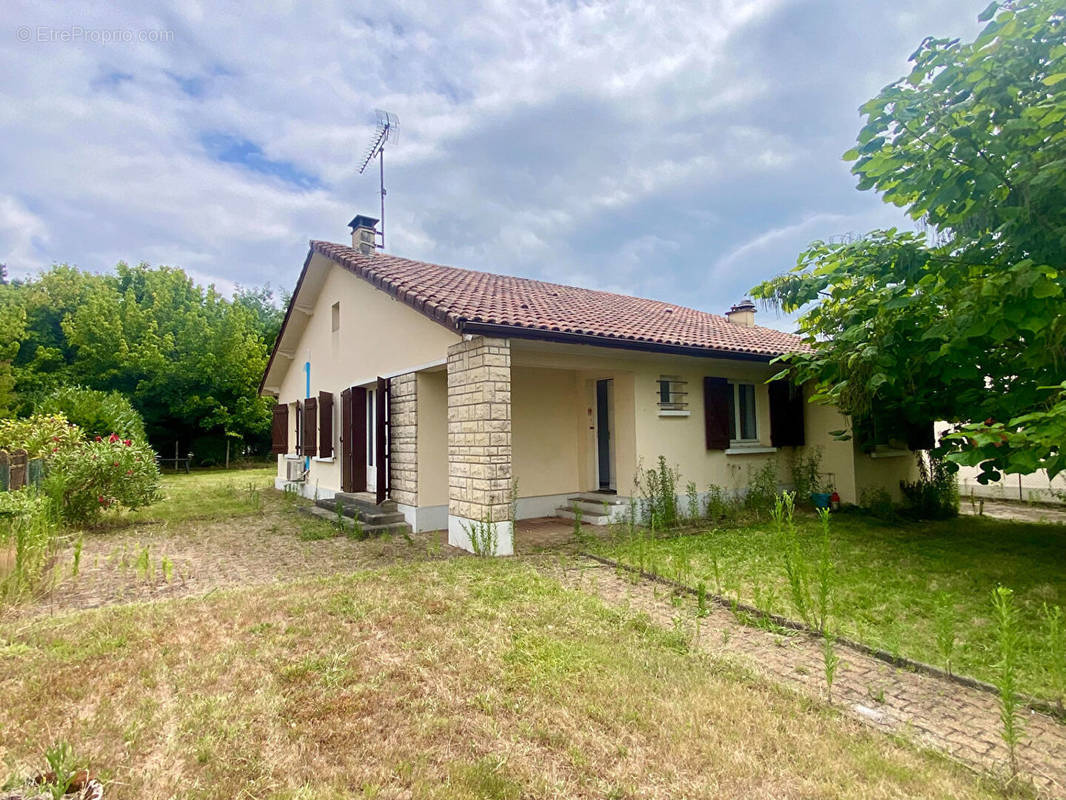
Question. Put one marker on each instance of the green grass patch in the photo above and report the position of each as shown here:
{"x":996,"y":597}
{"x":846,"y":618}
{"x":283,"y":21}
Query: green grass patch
{"x":468,"y":678}
{"x":897,"y":585}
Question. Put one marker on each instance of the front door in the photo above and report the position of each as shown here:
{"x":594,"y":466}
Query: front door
{"x":605,"y":479}
{"x":354,"y":439}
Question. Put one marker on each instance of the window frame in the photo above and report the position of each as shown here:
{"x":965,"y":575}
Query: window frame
{"x":736,"y":421}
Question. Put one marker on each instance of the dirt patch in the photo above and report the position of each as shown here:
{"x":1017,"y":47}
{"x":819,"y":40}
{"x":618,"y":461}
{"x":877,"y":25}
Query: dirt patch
{"x":165,"y":560}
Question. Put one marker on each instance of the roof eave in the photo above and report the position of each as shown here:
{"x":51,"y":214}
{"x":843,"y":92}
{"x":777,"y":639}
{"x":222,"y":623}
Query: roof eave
{"x":519,"y":332}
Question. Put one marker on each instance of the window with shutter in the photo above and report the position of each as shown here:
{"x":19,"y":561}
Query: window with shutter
{"x":298,"y":412}
{"x":325,"y":424}
{"x":786,"y":415}
{"x":310,"y":426}
{"x":279,"y":430}
{"x":716,"y":412}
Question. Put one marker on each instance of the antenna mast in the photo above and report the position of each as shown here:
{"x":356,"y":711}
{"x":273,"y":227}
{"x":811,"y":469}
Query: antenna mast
{"x":386,"y":129}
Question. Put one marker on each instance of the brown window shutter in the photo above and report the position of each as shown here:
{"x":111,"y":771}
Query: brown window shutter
{"x":279,"y":430}
{"x":716,"y":412}
{"x":310,"y":426}
{"x":786,"y":415}
{"x":921,"y":436}
{"x":325,"y":424}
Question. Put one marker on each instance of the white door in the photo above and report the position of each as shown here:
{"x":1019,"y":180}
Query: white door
{"x":371,"y":440}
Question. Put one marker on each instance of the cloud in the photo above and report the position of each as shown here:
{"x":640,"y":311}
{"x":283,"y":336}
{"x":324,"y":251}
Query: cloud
{"x":680,"y":151}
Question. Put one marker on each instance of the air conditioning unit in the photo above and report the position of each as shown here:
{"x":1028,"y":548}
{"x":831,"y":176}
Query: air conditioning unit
{"x":294,"y":470}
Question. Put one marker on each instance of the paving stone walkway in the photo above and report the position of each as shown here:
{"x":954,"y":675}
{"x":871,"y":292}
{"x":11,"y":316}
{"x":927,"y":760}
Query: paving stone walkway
{"x":937,"y":713}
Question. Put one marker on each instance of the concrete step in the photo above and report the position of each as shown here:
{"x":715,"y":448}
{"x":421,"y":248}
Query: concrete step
{"x":392,"y":526}
{"x":363,"y":506}
{"x":600,"y":498}
{"x":586,"y":519}
{"x":591,"y":504}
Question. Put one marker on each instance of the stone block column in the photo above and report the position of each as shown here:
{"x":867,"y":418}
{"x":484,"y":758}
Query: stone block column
{"x":403,"y":439}
{"x":479,"y":441}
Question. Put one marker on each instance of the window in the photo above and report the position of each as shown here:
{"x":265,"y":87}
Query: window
{"x":672,"y":397}
{"x":335,"y":324}
{"x":742,"y":426}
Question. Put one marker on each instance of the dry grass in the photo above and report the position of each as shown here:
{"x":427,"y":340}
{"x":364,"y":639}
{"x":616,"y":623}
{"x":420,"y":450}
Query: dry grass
{"x":455,"y":679}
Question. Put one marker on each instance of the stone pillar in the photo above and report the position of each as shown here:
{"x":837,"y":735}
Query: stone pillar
{"x":403,"y":439}
{"x":479,"y":442}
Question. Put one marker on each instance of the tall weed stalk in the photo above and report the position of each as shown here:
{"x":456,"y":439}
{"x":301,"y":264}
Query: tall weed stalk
{"x":1009,"y":642}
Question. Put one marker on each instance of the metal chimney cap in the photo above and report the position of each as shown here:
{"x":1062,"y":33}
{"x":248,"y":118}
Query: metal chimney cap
{"x":744,"y":305}
{"x":360,"y":221}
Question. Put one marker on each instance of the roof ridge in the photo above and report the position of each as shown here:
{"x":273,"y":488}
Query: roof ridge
{"x":418,"y":262}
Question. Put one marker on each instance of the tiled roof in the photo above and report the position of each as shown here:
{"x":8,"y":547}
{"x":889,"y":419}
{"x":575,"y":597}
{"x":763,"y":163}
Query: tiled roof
{"x":464,"y":299}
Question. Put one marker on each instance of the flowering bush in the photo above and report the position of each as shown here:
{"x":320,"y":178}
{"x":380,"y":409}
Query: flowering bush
{"x":101,"y":474}
{"x":39,"y":435}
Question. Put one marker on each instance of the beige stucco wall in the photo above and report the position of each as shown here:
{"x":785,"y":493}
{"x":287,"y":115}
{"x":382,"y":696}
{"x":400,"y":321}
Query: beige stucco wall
{"x":378,"y":336}
{"x":545,"y":409}
{"x":433,"y":438}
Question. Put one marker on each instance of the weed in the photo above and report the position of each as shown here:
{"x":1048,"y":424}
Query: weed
{"x":1010,"y":646}
{"x":338,"y":510}
{"x":935,"y":495}
{"x":701,"y":600}
{"x":693,"y":498}
{"x":719,"y":505}
{"x":657,"y":489}
{"x":166,"y":566}
{"x":78,"y":544}
{"x":805,"y":469}
{"x":830,"y":662}
{"x":944,"y":625}
{"x":1056,"y":648}
{"x":483,"y":537}
{"x":578,"y":515}
{"x":762,"y":487}
{"x":63,"y":765}
{"x":143,"y":564}
{"x":878,"y":696}
{"x":783,"y":513}
{"x":825,"y":575}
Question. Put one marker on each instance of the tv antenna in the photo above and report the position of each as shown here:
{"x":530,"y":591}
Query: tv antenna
{"x":386,"y":129}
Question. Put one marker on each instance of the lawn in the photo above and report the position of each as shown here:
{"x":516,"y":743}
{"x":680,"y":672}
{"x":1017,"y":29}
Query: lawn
{"x":388,"y":669}
{"x":456,"y":679}
{"x":893,"y":581}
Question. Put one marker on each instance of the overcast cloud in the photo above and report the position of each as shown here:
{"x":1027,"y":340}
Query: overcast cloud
{"x":681,"y":151}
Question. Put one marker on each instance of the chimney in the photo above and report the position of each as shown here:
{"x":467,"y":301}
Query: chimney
{"x":364,"y":234}
{"x":743,"y":313}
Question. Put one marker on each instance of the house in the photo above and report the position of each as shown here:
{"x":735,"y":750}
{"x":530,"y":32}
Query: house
{"x":436,"y":388}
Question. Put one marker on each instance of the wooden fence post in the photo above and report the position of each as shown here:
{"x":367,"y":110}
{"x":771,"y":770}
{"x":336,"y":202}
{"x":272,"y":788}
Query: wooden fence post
{"x":5,"y":471}
{"x":35,"y":472}
{"x":18,"y":469}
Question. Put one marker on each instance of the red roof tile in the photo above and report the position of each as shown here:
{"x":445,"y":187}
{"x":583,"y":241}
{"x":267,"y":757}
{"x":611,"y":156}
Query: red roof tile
{"x":467,"y":300}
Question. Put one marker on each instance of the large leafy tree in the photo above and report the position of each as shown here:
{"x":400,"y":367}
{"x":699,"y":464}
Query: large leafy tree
{"x":189,"y":359}
{"x":964,"y":322}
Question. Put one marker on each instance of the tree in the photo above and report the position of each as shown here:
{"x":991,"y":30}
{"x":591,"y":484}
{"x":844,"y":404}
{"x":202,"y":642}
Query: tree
{"x":964,"y":323}
{"x":187,"y":358}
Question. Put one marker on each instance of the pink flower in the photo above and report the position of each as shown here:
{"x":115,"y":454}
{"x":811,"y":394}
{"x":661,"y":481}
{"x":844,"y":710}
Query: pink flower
{"x":127,"y":442}
{"x":114,"y":463}
{"x":113,"y":438}
{"x":99,"y":439}
{"x":129,"y":472}
{"x":101,"y":499}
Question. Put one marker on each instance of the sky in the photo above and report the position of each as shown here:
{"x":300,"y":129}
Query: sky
{"x":673,"y":150}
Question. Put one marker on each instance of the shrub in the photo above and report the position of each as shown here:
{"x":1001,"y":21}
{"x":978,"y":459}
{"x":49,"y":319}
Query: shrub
{"x":39,"y":435}
{"x":658,"y":495}
{"x":101,"y":474}
{"x":878,"y":503}
{"x":762,"y":487}
{"x":806,"y":471}
{"x":96,"y":413}
{"x":935,"y":495}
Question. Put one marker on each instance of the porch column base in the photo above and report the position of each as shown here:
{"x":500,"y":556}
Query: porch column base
{"x":460,"y":528}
